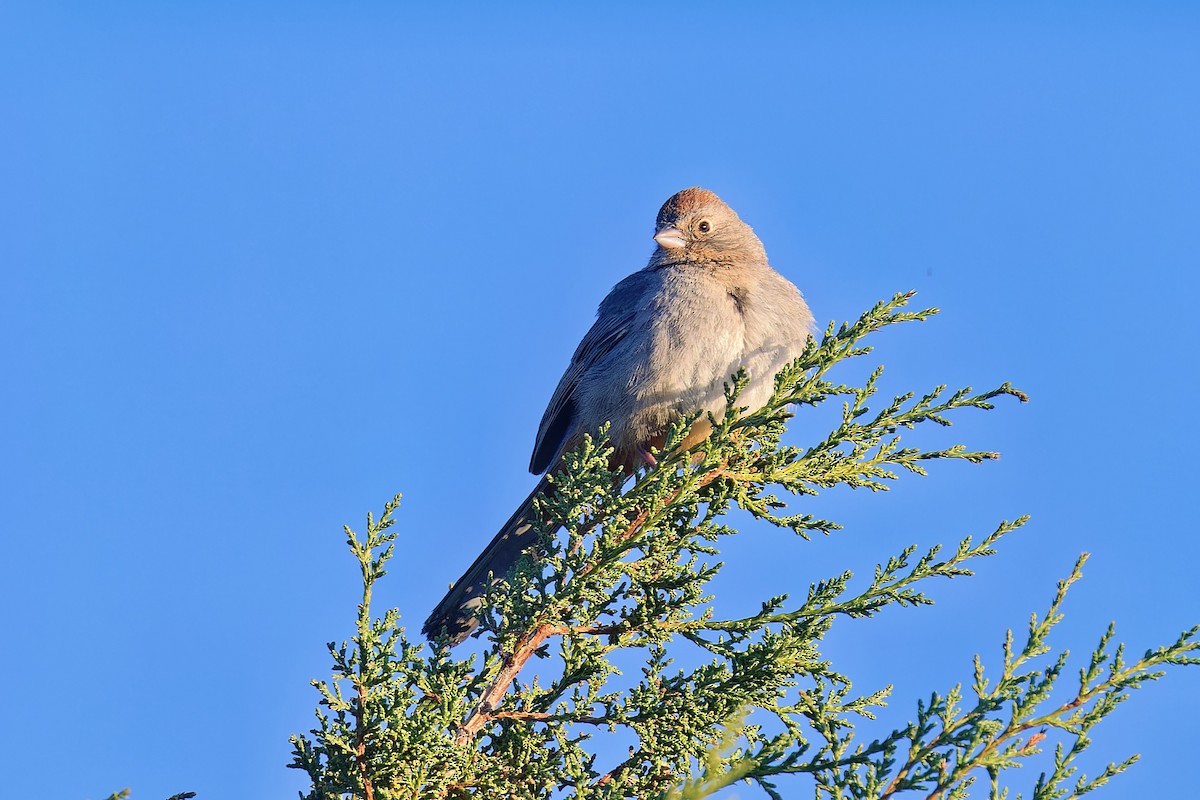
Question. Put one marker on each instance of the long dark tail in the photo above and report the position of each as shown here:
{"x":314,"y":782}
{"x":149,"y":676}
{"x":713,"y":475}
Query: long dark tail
{"x":455,"y":615}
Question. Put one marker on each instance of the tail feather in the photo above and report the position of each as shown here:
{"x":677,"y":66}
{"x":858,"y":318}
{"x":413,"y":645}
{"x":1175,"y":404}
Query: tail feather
{"x":455,"y":615}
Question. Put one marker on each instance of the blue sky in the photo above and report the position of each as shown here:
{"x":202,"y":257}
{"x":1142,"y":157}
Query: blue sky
{"x":262,"y":266}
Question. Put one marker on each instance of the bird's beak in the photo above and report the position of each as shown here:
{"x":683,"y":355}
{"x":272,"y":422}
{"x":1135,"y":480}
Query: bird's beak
{"x":670,"y":238}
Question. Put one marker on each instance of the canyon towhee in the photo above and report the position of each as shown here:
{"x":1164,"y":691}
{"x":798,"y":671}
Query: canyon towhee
{"x":665,"y":342}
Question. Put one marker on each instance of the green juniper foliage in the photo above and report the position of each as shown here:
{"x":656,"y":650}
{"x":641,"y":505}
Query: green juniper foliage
{"x":627,"y":579}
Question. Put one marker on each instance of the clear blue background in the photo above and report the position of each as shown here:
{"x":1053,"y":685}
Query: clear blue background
{"x":262,"y":266}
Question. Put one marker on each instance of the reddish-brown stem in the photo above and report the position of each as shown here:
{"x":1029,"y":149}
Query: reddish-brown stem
{"x":892,"y":787}
{"x":360,"y":748}
{"x":512,"y":664}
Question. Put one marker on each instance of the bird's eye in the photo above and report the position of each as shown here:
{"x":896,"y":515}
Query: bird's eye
{"x":704,"y":227}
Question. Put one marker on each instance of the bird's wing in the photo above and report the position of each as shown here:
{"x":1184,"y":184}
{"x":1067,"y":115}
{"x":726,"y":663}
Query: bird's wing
{"x":614,"y":321}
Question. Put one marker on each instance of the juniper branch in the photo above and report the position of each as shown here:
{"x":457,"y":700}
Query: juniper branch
{"x":718,"y":698}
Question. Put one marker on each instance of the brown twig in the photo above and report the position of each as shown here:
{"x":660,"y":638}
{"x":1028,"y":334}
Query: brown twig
{"x":1006,"y":735}
{"x":360,"y":745}
{"x":512,"y":664}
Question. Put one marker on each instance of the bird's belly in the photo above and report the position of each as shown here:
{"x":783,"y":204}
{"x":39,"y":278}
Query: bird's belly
{"x":696,"y":337}
{"x":684,"y":371}
{"x":690,"y":376}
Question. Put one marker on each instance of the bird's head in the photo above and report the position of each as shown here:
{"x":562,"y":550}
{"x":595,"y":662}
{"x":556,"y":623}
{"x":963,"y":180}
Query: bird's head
{"x":696,"y":226}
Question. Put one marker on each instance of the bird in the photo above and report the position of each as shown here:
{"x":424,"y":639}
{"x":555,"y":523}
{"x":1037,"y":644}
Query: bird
{"x":666,"y":341}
